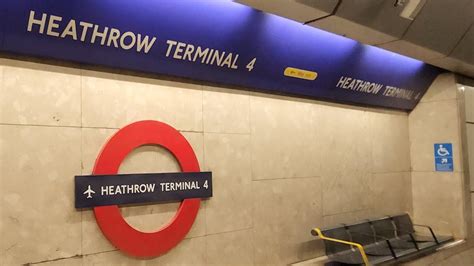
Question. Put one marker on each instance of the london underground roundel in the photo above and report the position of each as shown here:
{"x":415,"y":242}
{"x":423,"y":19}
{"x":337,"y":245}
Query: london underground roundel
{"x":109,"y":218}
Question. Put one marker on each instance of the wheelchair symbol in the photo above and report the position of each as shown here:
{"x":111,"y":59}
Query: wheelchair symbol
{"x":442,"y":151}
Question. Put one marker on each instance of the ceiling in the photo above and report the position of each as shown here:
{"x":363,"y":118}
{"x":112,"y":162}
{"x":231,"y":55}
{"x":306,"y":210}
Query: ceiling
{"x":441,"y":32}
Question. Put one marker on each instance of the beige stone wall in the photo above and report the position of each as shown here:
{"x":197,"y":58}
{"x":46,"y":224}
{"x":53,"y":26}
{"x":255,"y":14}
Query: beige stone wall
{"x":469,"y":118}
{"x":280,"y":165}
{"x":438,"y":197}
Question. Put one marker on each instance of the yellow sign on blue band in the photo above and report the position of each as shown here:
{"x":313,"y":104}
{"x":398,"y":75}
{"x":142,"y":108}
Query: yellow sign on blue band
{"x":300,"y":73}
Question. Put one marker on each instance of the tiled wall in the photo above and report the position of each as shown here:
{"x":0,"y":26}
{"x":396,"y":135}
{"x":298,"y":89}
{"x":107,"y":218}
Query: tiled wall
{"x":438,"y":197}
{"x":280,"y":165}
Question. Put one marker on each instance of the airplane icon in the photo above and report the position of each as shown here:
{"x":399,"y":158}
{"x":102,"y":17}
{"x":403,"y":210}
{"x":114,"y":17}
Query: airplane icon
{"x":89,"y":191}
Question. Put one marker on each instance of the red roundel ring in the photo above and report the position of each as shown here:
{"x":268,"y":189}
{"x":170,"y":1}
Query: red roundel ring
{"x":110,"y":219}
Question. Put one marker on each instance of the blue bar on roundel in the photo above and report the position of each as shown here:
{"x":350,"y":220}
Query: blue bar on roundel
{"x":102,"y":190}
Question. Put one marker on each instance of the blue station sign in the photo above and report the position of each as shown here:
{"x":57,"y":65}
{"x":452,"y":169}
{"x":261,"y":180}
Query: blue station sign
{"x":217,"y":41}
{"x":103,"y":190}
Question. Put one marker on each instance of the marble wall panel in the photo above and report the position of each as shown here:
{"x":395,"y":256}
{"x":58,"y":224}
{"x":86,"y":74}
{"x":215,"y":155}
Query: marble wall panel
{"x":347,"y":217}
{"x":284,"y":213}
{"x":347,"y":159}
{"x":93,"y":139}
{"x":112,"y":101}
{"x":234,"y":248}
{"x":285,"y":139}
{"x":442,"y":88}
{"x":39,"y":94}
{"x":391,"y":193}
{"x":228,"y":157}
{"x":390,"y":142}
{"x":2,"y":91}
{"x":189,"y":252}
{"x":469,"y":103}
{"x":438,"y":197}
{"x":430,"y":123}
{"x":226,"y":111}
{"x":470,"y":147}
{"x":438,"y":201}
{"x":472,"y":211}
{"x":2,"y":62}
{"x":39,"y":221}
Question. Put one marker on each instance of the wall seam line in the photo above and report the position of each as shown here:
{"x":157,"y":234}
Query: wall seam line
{"x":82,"y":156}
{"x":287,"y":178}
{"x":205,"y":167}
{"x":340,"y":213}
{"x":231,"y":231}
{"x":90,"y":127}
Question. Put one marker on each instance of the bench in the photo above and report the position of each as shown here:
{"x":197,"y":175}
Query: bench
{"x":391,"y":239}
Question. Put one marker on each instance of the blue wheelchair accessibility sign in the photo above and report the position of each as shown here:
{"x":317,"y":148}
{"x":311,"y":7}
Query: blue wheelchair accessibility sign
{"x":443,"y":153}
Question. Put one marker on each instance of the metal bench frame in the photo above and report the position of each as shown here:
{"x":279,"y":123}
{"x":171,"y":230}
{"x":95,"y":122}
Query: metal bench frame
{"x":397,"y":233}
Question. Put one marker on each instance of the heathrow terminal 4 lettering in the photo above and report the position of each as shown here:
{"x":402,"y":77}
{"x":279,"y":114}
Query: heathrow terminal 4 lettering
{"x":87,"y":32}
{"x":102,"y":190}
{"x":363,"y":86}
{"x":53,"y":26}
